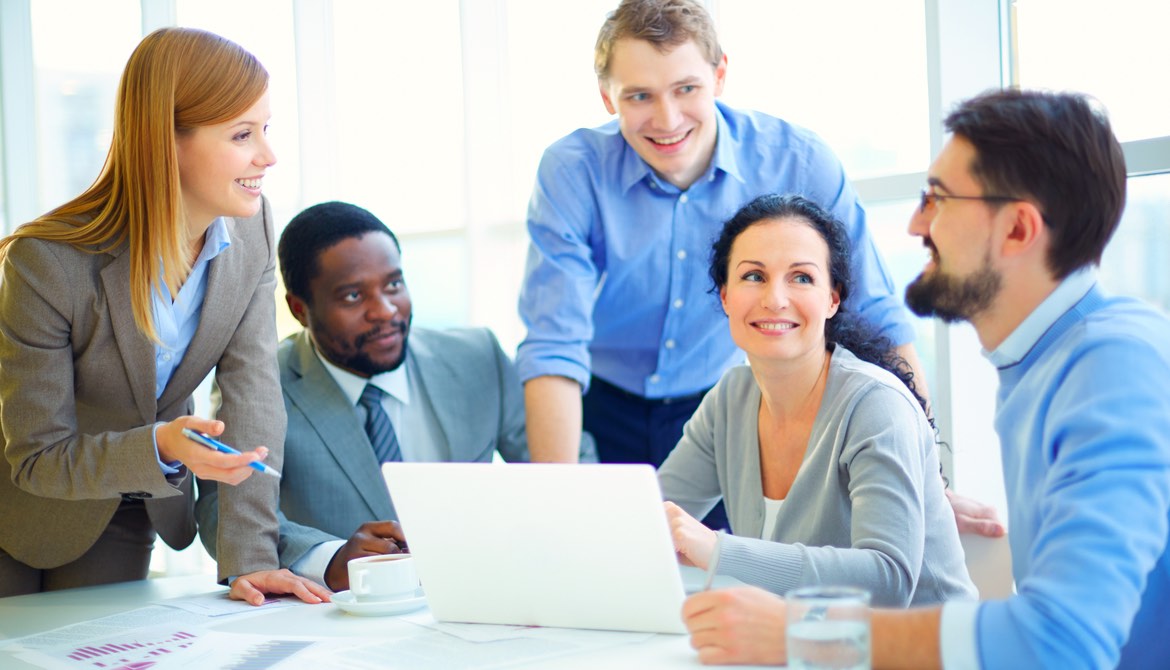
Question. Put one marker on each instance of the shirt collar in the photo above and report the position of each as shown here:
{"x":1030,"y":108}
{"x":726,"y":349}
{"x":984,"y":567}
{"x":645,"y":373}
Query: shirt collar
{"x":394,"y":383}
{"x":215,"y":240}
{"x":1021,"y":340}
{"x":634,"y":169}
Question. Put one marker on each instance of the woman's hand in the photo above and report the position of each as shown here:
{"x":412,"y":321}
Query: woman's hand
{"x":693,"y":541}
{"x":205,"y":463}
{"x":252,"y":587}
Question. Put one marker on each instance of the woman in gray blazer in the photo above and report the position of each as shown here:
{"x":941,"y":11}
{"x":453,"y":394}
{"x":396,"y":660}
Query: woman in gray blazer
{"x":116,"y":305}
{"x":820,"y":448}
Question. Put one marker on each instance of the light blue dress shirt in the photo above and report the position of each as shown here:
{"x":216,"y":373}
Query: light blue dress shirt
{"x":616,"y":280}
{"x":176,"y":321}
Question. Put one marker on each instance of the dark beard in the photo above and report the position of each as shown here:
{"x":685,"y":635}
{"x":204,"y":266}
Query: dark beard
{"x":362,"y":364}
{"x":950,"y":298}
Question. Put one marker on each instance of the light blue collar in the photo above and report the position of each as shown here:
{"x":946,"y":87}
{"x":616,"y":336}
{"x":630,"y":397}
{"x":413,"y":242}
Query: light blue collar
{"x":1017,"y":345}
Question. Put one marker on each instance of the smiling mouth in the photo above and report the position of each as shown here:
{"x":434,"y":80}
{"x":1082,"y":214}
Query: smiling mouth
{"x":397,"y":330}
{"x":253,"y":184}
{"x":775,"y":327}
{"x":669,"y":141}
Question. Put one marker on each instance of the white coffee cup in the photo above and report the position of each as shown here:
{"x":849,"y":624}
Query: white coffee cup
{"x":384,"y":577}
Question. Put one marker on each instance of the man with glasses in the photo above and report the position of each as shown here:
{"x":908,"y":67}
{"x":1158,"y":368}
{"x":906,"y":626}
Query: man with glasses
{"x":1022,"y":201}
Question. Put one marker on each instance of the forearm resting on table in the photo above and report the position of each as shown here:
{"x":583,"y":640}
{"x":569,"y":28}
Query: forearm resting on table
{"x":906,"y":638}
{"x":553,"y":419}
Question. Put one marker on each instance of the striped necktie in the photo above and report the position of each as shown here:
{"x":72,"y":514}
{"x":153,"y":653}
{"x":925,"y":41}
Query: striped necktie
{"x":378,"y":426}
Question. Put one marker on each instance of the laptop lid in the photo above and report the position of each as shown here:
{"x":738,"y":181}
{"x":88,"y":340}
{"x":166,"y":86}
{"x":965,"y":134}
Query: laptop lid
{"x":578,"y":546}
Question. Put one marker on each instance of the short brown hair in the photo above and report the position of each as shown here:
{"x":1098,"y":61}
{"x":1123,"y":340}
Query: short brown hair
{"x":664,"y":23}
{"x":1057,"y":149}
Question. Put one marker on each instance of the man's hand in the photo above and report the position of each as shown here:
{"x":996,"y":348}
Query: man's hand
{"x":693,"y":542}
{"x":737,"y":626}
{"x":252,"y":587}
{"x":974,"y":517}
{"x":372,"y":538}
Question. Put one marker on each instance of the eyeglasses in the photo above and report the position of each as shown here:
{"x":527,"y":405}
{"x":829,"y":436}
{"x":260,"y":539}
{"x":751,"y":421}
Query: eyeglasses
{"x":929,"y":198}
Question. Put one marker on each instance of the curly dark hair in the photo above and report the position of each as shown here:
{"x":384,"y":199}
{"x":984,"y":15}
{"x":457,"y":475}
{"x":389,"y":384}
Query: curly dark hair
{"x":845,"y":328}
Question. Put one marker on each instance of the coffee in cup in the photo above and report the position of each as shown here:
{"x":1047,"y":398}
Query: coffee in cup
{"x":383,"y":577}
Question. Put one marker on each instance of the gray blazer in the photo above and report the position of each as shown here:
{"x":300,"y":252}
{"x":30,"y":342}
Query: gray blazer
{"x":866,"y":507}
{"x":332,"y":483}
{"x":78,"y":406}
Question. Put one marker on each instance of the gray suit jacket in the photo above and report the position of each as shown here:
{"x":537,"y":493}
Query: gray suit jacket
{"x":332,"y":483}
{"x":78,"y":406}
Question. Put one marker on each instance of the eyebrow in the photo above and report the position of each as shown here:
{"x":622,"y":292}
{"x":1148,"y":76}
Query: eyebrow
{"x":791,"y":266}
{"x":686,"y":81}
{"x":935,"y":181}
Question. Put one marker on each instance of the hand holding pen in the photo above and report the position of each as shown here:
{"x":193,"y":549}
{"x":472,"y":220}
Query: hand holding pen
{"x":212,"y":443}
{"x":204,"y":462}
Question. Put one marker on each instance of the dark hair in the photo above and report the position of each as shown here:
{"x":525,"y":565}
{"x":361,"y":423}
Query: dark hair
{"x":315,"y":230}
{"x":844,"y":328}
{"x":1057,"y":150}
{"x":663,"y":23}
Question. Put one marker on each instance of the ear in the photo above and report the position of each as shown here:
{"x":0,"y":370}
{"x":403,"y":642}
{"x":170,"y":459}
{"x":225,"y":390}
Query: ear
{"x":723,"y":298}
{"x":1025,"y":230}
{"x":299,"y":309}
{"x":604,"y":90}
{"x":720,"y":75}
{"x":835,"y":305}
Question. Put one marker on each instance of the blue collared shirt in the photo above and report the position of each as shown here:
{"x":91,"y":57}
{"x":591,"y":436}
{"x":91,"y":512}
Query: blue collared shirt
{"x":616,"y":281}
{"x":176,"y":321}
{"x":1021,"y":340}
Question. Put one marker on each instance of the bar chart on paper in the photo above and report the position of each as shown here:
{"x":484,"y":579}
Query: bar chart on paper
{"x":132,"y":654}
{"x":268,"y":654}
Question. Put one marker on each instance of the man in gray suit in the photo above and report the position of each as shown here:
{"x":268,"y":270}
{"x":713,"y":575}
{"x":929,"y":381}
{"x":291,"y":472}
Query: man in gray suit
{"x":449,"y":395}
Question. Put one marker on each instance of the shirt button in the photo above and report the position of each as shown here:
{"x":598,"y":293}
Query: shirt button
{"x":682,"y":254}
{"x":678,"y":303}
{"x":669,"y":344}
{"x":166,"y":357}
{"x":683,"y":198}
{"x":654,"y":379}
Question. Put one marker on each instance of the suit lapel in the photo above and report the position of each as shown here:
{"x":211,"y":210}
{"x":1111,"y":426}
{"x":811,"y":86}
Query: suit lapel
{"x":136,"y":349}
{"x":334,"y":420}
{"x":444,"y":397}
{"x":223,"y":304}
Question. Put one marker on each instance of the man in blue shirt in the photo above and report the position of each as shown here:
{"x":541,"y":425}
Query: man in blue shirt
{"x":1022,"y":201}
{"x":622,"y":218}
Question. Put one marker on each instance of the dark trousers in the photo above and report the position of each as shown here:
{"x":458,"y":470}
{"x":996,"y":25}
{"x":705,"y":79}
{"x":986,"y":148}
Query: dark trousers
{"x":121,"y":554}
{"x":631,"y":429}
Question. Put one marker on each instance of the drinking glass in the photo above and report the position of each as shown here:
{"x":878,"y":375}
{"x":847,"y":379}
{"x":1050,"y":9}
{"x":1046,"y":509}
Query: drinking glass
{"x":828,"y":628}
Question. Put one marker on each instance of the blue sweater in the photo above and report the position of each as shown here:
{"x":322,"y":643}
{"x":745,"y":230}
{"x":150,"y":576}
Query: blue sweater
{"x":1084,"y":421}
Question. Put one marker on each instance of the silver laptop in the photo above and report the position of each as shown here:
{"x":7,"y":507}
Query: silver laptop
{"x":577,"y":546}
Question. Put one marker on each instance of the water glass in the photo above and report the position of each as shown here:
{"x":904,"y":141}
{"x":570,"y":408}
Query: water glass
{"x":828,"y":628}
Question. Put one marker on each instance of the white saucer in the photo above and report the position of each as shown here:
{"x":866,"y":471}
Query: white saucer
{"x":346,"y":601}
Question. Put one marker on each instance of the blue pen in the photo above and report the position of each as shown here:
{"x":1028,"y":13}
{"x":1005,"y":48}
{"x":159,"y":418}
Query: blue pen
{"x":212,"y":443}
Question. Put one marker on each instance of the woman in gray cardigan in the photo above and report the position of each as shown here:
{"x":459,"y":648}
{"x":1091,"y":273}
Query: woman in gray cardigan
{"x":820,"y":449}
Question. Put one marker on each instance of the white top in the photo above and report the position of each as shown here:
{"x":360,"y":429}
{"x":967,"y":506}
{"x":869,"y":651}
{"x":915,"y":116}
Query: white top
{"x":771,"y":511}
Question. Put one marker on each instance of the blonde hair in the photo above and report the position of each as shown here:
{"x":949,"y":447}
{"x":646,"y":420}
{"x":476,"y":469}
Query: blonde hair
{"x":664,"y":23}
{"x":176,"y":80}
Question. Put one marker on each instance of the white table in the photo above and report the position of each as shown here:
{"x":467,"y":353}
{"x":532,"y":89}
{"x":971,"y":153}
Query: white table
{"x":25,"y":615}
